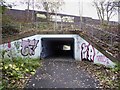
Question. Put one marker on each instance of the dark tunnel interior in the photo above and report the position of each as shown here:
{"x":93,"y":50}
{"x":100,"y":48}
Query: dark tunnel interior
{"x":57,"y":47}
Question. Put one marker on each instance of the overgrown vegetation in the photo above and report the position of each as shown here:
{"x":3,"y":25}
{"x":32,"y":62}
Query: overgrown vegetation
{"x":9,"y":29}
{"x":8,"y":26}
{"x":108,"y":77}
{"x":17,"y":71}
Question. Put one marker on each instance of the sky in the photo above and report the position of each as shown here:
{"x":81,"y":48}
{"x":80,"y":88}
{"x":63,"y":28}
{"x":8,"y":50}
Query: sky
{"x":72,"y":7}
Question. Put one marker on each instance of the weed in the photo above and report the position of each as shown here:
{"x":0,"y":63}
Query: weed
{"x":16,"y":69}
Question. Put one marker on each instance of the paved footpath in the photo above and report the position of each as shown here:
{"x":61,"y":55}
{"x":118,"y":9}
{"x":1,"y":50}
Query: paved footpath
{"x":61,"y":74}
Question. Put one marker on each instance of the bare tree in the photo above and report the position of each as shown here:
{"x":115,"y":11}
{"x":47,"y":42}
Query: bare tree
{"x":117,"y":4}
{"x":28,"y":6}
{"x":106,"y":9}
{"x":111,"y":10}
{"x":51,"y":6}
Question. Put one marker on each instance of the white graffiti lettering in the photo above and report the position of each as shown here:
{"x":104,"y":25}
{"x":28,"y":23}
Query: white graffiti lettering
{"x":28,"y":47}
{"x":87,"y":52}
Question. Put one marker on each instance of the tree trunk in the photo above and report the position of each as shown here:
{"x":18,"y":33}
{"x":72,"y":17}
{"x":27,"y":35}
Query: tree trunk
{"x":48,"y":17}
{"x":28,"y":10}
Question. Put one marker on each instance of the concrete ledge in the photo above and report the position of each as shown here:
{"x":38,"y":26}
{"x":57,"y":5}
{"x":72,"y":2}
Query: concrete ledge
{"x":34,"y":32}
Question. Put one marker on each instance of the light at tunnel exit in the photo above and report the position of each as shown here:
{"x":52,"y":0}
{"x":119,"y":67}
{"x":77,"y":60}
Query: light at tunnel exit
{"x":66,"y":47}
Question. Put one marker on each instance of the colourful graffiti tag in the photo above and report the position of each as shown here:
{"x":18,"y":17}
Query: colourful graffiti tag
{"x":102,"y":59}
{"x":87,"y":52}
{"x":8,"y":49}
{"x":9,"y":44}
{"x":28,"y":47}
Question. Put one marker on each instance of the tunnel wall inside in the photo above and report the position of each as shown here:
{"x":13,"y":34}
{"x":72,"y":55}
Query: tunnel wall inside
{"x":47,"y":49}
{"x":31,"y":47}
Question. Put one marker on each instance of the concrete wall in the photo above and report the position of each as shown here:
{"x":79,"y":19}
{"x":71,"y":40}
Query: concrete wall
{"x":47,"y":50}
{"x":31,"y":47}
{"x":24,"y":47}
{"x":86,"y":51}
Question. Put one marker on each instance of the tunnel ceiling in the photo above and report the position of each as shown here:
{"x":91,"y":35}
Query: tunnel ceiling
{"x":58,"y":39}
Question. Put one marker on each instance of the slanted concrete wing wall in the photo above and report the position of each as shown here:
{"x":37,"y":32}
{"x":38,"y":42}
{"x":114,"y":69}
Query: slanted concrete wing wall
{"x":87,"y":51}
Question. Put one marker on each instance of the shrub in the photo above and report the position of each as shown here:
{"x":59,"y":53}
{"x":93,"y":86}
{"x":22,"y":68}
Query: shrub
{"x":16,"y":69}
{"x":8,"y":29}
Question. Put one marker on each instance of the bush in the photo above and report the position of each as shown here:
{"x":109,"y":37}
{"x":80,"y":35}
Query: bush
{"x":16,"y":70}
{"x":8,"y":29}
{"x":117,"y":67}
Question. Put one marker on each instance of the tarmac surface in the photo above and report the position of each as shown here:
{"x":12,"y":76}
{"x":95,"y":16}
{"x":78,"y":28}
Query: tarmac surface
{"x":61,"y":74}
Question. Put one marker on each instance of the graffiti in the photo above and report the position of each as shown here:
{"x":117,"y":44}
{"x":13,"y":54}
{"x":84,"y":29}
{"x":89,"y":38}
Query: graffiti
{"x":78,"y":48}
{"x":42,"y":54}
{"x":9,"y":49}
{"x":87,"y":52}
{"x":102,"y":59}
{"x":9,"y":44}
{"x":28,"y":47}
{"x":17,"y":45}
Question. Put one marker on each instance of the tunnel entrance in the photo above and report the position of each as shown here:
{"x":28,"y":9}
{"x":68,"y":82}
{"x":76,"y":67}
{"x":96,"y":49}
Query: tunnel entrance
{"x":57,"y":48}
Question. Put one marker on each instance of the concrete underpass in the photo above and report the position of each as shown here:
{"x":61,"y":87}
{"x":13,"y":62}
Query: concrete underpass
{"x":57,"y":48}
{"x":67,"y":47}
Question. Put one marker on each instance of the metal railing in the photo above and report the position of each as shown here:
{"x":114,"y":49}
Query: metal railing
{"x":109,"y":38}
{"x":102,"y":35}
